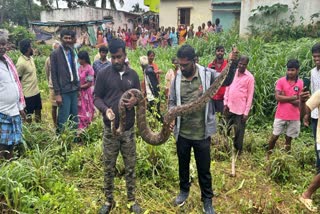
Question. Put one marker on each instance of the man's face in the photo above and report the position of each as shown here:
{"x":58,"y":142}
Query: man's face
{"x":242,"y":65}
{"x":316,"y":59}
{"x":118,"y":60}
{"x":220,"y":53}
{"x":151,"y":58}
{"x":292,"y":73}
{"x":103,"y":55}
{"x":186,"y":67}
{"x":67,"y":41}
{"x":3,"y":47}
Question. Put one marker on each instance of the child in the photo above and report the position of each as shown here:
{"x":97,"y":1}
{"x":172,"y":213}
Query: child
{"x":85,"y":102}
{"x":287,"y":115}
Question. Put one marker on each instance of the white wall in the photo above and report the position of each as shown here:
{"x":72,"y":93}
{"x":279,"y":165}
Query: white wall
{"x":305,"y":9}
{"x":86,"y":14}
{"x":200,"y":12}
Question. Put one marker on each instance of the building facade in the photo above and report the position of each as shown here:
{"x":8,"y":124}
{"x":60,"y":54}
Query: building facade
{"x":176,"y":12}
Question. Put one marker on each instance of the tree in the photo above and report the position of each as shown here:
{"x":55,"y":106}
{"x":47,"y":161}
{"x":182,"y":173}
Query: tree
{"x":136,"y":8}
{"x":19,"y":11}
{"x":112,"y":4}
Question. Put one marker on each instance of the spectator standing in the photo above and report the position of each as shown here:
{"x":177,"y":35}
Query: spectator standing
{"x":12,"y":104}
{"x":85,"y":102}
{"x":218,"y":26}
{"x":287,"y":115}
{"x":28,"y":75}
{"x":218,"y":64}
{"x":199,"y":33}
{"x":170,"y":75}
{"x":238,"y":100}
{"x":173,"y":37}
{"x":65,"y":80}
{"x":101,"y":63}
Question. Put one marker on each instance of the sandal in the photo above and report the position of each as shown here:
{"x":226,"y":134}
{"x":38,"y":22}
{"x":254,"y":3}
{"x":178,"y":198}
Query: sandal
{"x":308,"y":203}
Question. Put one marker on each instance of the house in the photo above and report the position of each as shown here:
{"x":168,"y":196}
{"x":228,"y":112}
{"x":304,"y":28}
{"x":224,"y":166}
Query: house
{"x":175,"y":12}
{"x":228,"y":11}
{"x":120,"y":18}
{"x":85,"y":21}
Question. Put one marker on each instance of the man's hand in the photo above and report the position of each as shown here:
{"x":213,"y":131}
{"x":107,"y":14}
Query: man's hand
{"x":110,"y":115}
{"x":245,"y":118}
{"x":304,"y":96}
{"x":295,"y":103}
{"x":225,"y":110}
{"x":58,"y":100}
{"x":172,"y":125}
{"x":234,"y":54}
{"x":131,"y":102}
{"x":22,"y":114}
{"x":306,"y":120}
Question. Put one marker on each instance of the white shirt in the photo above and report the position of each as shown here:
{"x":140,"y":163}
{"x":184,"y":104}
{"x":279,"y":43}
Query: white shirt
{"x":315,"y":85}
{"x":9,"y":92}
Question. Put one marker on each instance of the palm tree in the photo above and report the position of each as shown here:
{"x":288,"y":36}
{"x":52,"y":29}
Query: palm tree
{"x":112,"y":3}
{"x":136,"y":8}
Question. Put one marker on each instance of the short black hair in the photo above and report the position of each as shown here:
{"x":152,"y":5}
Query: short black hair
{"x":103,"y":49}
{"x":116,"y":44}
{"x":293,"y":63}
{"x":243,"y":57}
{"x":150,"y":52}
{"x":219,"y":47}
{"x":186,"y":51}
{"x":217,"y":21}
{"x":315,"y":48}
{"x":209,"y":22}
{"x":84,"y":56}
{"x":24,"y":45}
{"x":65,"y":32}
{"x":73,"y":34}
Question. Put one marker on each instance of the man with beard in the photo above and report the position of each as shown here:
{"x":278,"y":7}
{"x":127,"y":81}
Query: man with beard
{"x":65,"y":80}
{"x":194,"y":130}
{"x":28,"y":76}
{"x":111,"y":83}
{"x":11,"y":107}
{"x":218,"y":64}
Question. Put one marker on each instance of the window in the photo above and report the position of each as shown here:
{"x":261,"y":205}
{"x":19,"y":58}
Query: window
{"x":184,"y":16}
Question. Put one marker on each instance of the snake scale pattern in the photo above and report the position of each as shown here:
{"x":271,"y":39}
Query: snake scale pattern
{"x":158,"y":138}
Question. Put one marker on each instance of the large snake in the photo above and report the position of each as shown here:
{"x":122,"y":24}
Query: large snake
{"x":158,"y":138}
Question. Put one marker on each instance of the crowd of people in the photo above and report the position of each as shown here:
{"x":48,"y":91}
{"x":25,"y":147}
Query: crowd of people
{"x":161,"y":37}
{"x":76,"y":88}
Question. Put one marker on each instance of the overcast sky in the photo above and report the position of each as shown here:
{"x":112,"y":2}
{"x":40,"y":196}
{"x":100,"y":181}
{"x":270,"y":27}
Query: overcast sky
{"x":126,"y":7}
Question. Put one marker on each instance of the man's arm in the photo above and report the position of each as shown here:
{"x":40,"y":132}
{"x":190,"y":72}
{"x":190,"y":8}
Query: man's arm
{"x":172,"y":96}
{"x":230,"y":76}
{"x":54,"y":73}
{"x":285,"y":99}
{"x":99,"y":93}
{"x":250,"y":97}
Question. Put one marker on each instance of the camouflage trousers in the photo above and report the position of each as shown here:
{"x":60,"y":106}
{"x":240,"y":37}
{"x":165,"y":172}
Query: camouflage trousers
{"x":112,"y":145}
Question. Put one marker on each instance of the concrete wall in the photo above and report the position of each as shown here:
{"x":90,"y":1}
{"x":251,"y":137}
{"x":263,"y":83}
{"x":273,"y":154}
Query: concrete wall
{"x":200,"y":12}
{"x":87,"y":14}
{"x":305,"y":9}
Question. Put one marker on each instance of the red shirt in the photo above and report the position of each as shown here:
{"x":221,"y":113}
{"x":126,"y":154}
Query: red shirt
{"x":220,"y":94}
{"x":286,"y":110}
